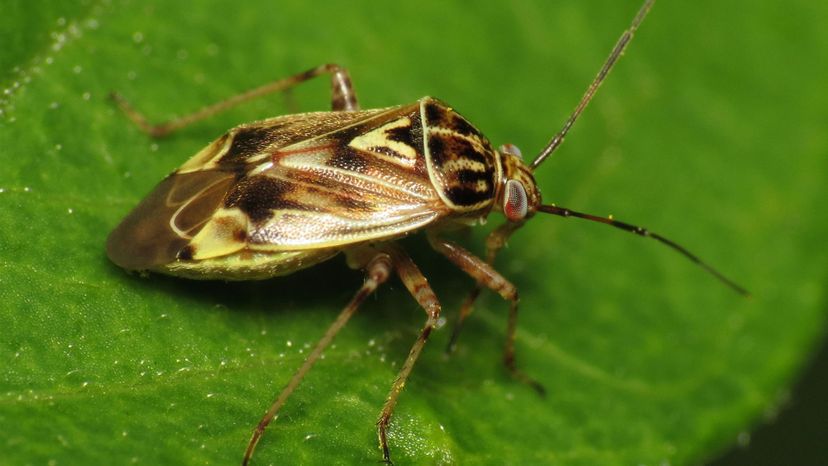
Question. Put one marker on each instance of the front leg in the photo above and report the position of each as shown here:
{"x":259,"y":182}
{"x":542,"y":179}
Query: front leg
{"x":494,"y":243}
{"x":485,"y":275}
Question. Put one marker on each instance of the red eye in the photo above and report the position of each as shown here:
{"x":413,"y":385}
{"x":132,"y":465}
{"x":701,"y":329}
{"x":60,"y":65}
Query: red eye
{"x":515,"y":204}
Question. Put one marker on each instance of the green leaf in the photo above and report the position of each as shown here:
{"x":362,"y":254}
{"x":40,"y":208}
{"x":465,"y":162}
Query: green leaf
{"x":710,"y":131}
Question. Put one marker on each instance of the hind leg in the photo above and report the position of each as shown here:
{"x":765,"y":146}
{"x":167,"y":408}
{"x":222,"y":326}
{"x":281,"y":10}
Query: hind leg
{"x":419,"y":288}
{"x":343,"y":98}
{"x":376,"y":273}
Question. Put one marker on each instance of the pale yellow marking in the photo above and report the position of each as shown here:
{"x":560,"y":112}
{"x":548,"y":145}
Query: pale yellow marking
{"x":203,"y":160}
{"x":249,"y":265}
{"x":261,"y":168}
{"x":435,"y":177}
{"x":435,"y":181}
{"x":178,"y":231}
{"x":498,"y":181}
{"x":217,"y":238}
{"x":378,"y":138}
{"x":473,"y":140}
{"x":174,"y":226}
{"x":313,"y":230}
{"x":464,"y":163}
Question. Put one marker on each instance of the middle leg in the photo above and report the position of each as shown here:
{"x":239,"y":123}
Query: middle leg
{"x":485,"y":275}
{"x":377,"y":269}
{"x":419,"y":288}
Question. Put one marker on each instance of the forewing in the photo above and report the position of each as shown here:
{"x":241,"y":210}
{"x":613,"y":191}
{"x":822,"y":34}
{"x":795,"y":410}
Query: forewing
{"x":299,"y":182}
{"x":360,"y":183}
{"x":163,"y":223}
{"x":253,"y":143}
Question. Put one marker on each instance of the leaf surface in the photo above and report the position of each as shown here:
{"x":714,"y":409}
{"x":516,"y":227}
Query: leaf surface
{"x":710,"y":131}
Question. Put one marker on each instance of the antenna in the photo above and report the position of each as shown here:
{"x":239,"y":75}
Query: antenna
{"x":564,"y":212}
{"x":590,"y":92}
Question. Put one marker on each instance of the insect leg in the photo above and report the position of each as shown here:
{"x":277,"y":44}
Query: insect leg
{"x":376,"y":273}
{"x":494,"y":243}
{"x":487,"y":276}
{"x":419,"y":288}
{"x":343,"y":98}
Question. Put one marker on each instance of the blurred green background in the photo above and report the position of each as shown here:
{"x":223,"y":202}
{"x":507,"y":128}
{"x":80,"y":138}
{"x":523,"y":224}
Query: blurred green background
{"x":711,"y":131}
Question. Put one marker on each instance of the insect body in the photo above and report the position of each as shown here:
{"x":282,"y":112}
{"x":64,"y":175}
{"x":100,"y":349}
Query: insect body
{"x":275,"y":196}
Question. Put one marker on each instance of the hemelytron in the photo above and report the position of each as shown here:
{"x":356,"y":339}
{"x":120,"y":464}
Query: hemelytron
{"x":275,"y":196}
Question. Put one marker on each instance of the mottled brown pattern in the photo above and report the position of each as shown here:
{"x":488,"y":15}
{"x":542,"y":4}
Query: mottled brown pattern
{"x":348,"y":159}
{"x":440,"y":115}
{"x":411,"y":135}
{"x":230,"y":227}
{"x":266,"y":136}
{"x":310,"y":190}
{"x":463,"y":163}
{"x":257,"y":196}
{"x":446,"y":147}
{"x":250,"y":141}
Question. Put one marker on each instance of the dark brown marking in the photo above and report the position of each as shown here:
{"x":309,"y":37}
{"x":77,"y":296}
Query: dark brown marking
{"x":444,"y":148}
{"x":470,"y":178}
{"x":435,"y":115}
{"x":403,"y":134}
{"x":346,"y":158}
{"x":461,"y":148}
{"x":436,"y":147}
{"x":344,"y":136}
{"x":460,"y":184}
{"x":462,"y":196}
{"x":186,"y":253}
{"x":249,"y":141}
{"x":350,"y":202}
{"x":462,"y":126}
{"x":438,"y":115}
{"x":413,"y":138}
{"x":426,"y":332}
{"x":307,"y":178}
{"x":257,"y":196}
{"x":387,"y":151}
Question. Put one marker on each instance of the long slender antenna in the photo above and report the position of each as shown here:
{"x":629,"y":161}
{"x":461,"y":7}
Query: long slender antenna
{"x":590,"y":92}
{"x":564,"y":212}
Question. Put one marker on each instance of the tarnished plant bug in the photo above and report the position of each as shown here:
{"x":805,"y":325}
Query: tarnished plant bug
{"x":275,"y":196}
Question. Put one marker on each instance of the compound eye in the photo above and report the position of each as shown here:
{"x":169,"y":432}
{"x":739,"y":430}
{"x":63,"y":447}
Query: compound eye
{"x":515,"y":204}
{"x":510,"y":149}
